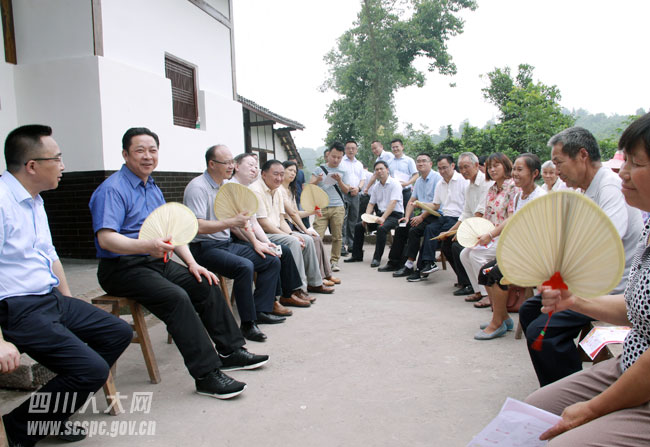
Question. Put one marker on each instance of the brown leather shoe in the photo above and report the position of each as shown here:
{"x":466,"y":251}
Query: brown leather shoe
{"x":280,"y":310}
{"x":334,"y":279}
{"x":294,"y":301}
{"x":304,"y":296}
{"x":320,"y":289}
{"x":328,"y":283}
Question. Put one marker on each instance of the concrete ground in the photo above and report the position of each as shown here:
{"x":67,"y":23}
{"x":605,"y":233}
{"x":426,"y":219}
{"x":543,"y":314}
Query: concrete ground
{"x":381,"y":362}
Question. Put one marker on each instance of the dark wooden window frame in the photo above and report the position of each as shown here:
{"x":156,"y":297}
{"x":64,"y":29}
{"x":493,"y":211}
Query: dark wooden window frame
{"x":195,"y":95}
{"x":9,"y":35}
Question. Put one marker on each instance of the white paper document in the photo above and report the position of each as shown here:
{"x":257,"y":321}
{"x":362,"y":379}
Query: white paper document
{"x":328,"y":180}
{"x":517,"y":425}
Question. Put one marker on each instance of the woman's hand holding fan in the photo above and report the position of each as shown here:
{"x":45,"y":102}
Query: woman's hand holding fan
{"x":313,"y":199}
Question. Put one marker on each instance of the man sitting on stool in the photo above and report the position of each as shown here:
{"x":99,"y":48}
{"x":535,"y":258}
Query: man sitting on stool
{"x":387,"y":195}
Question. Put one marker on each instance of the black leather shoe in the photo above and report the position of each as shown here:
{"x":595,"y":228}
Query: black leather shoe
{"x":404,"y":271}
{"x":268,"y":318}
{"x":251,"y":332}
{"x":353,"y":259}
{"x":415,"y":276}
{"x":388,"y":268}
{"x":467,"y":290}
{"x":374,"y":263}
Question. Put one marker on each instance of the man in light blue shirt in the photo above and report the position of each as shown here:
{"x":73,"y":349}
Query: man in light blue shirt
{"x":402,"y":167}
{"x":74,"y":339}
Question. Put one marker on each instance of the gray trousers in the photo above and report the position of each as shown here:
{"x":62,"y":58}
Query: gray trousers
{"x":351,"y":218}
{"x":305,"y":258}
{"x":624,"y":428}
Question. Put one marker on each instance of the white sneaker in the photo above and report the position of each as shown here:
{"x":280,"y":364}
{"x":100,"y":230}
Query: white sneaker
{"x":335,"y":267}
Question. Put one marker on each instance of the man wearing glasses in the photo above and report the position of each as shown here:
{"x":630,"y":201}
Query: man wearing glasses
{"x":74,"y":339}
{"x":215,"y":248}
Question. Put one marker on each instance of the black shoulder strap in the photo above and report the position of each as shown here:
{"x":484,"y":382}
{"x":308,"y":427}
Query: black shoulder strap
{"x":335,"y":186}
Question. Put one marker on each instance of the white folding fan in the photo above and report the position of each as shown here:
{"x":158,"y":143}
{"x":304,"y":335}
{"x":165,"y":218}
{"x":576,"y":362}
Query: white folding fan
{"x":173,"y":220}
{"x":562,"y":233}
{"x":427,"y":208}
{"x":471,"y":229}
{"x":233,"y":199}
{"x":369,"y":218}
{"x":313,"y":198}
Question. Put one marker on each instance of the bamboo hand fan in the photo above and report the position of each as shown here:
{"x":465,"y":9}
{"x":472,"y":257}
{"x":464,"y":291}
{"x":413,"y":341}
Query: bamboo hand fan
{"x":171,"y":219}
{"x":427,"y":208}
{"x":233,"y":199}
{"x":444,"y":236}
{"x":563,"y":240}
{"x":471,"y":229}
{"x":313,"y":198}
{"x":369,"y":218}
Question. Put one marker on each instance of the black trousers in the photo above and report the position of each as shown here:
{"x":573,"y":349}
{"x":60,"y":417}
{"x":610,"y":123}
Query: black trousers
{"x":382,"y":232}
{"x":559,"y":356}
{"x":289,"y":280}
{"x":193,"y":311}
{"x":429,"y":247}
{"x":74,"y":339}
{"x":406,"y":241}
{"x":452,"y":250}
{"x":239,"y":261}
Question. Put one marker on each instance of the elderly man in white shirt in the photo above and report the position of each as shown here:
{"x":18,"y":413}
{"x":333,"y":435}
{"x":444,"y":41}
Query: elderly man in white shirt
{"x":474,"y":207}
{"x":356,"y":181}
{"x":387,"y":196}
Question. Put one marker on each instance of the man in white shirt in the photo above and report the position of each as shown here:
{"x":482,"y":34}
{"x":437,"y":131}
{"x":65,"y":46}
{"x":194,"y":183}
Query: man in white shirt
{"x":387,"y":196}
{"x":378,"y":150}
{"x":402,"y":167}
{"x":356,"y":180}
{"x":474,"y":206}
{"x":576,"y":155}
{"x":449,"y":199}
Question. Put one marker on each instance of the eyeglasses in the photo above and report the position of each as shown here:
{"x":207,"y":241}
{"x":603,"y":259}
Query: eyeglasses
{"x":58,"y":159}
{"x":227,"y":162}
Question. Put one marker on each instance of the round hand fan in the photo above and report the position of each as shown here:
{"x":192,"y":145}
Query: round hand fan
{"x":427,"y":208}
{"x":471,"y":229}
{"x":313,"y":198}
{"x":369,"y":218}
{"x":565,"y":240}
{"x":171,"y":219}
{"x":234,"y":198}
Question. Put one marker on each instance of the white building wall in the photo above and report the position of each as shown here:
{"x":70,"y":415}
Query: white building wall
{"x":49,"y":30}
{"x":8,"y":118}
{"x":280,"y":153}
{"x":90,"y":100}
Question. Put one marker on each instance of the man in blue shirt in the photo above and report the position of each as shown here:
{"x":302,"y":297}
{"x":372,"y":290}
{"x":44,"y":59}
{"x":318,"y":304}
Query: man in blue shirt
{"x":74,"y":339}
{"x":186,"y":299}
{"x":408,"y":237}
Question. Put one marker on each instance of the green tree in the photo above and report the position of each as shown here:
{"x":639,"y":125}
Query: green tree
{"x":375,"y":58}
{"x":530,"y":112}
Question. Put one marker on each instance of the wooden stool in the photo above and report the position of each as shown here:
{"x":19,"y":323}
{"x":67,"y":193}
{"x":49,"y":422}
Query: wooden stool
{"x":443,"y":260}
{"x":140,"y":336}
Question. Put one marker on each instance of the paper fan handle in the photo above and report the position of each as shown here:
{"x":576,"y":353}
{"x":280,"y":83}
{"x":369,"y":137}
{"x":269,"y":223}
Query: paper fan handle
{"x":556,"y":282}
{"x":166,"y":256}
{"x":318,"y":213}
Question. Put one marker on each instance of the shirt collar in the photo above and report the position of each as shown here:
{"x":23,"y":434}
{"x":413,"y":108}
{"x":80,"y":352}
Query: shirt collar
{"x":17,"y":189}
{"x":211,"y":181}
{"x":480,"y":178}
{"x":133,"y":179}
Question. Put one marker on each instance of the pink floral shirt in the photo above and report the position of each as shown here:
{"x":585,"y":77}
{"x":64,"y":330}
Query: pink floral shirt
{"x":499,"y":204}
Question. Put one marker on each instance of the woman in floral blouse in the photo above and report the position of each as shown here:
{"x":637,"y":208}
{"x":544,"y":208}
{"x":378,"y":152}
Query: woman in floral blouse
{"x":609,"y":403}
{"x":497,"y":209}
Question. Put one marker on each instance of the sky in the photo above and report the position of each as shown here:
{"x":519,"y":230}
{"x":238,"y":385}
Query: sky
{"x":594,"y":51}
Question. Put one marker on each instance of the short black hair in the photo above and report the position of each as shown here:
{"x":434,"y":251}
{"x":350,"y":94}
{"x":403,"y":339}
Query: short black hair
{"x":482,"y":159}
{"x":23,"y":143}
{"x":380,"y":162}
{"x":447,"y":157}
{"x":397,"y":140}
{"x":338,"y":146}
{"x":269,"y":163}
{"x":352,"y":141}
{"x":240,"y":157}
{"x":637,"y":132}
{"x":134,"y":132}
{"x":423,"y":154}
